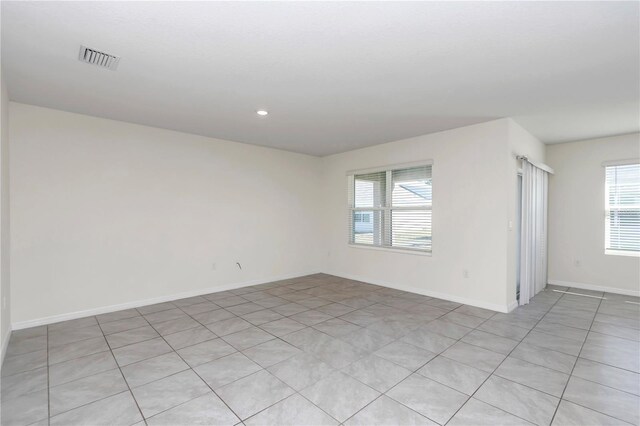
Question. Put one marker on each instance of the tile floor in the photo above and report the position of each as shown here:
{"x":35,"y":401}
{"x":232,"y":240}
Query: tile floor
{"x":322,"y":350}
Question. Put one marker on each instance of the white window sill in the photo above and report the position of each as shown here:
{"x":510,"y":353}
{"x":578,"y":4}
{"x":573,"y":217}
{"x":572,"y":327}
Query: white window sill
{"x":390,"y":249}
{"x":622,"y":253}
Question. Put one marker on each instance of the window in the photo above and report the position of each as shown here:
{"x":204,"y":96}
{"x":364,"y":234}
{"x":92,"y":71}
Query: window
{"x":622,"y":209}
{"x":391,"y":208}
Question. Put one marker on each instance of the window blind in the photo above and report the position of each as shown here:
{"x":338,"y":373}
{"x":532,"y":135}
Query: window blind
{"x":622,"y":209}
{"x":391,"y":208}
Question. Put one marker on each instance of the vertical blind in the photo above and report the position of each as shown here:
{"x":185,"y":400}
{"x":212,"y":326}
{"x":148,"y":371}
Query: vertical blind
{"x":391,"y":208}
{"x":622,"y":208}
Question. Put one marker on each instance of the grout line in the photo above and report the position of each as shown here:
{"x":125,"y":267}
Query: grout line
{"x":571,"y":375}
{"x":190,"y":367}
{"x":198,"y":375}
{"x":602,"y":384}
{"x":374,"y":290}
{"x":335,"y":370}
{"x":574,"y":365}
{"x":412,"y":372}
{"x":89,"y":403}
{"x":315,"y":405}
{"x":561,"y":337}
{"x":430,"y":360}
{"x":498,"y":366}
{"x":377,"y":398}
{"x":122,"y":374}
{"x":80,"y":378}
{"x":341,"y":370}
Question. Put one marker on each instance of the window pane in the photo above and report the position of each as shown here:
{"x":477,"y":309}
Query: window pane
{"x":370,"y":189}
{"x":623,"y":185}
{"x":623,"y":208}
{"x":411,"y":229}
{"x":411,"y":187}
{"x":367,"y":230}
{"x":624,"y":230}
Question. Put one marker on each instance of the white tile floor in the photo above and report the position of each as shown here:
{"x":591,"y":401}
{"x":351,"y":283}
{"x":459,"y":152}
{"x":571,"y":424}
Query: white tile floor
{"x":322,"y":350}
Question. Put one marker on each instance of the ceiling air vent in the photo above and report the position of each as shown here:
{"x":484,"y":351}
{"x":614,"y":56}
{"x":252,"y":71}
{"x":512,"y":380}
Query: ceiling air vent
{"x":99,"y":59}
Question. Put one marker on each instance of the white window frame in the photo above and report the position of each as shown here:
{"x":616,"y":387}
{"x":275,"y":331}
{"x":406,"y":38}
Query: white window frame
{"x":608,"y":209}
{"x":386,"y":246}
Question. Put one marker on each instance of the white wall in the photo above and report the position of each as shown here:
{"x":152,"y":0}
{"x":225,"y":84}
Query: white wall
{"x":5,"y":293}
{"x":106,"y":212}
{"x":576,"y":215}
{"x":471,"y":208}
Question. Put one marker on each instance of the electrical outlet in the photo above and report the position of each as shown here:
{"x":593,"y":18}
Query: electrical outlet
{"x":576,"y":263}
{"x":465,"y":273}
{"x":213,"y":266}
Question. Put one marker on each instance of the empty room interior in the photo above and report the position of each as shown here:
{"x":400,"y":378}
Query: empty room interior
{"x":320,"y":213}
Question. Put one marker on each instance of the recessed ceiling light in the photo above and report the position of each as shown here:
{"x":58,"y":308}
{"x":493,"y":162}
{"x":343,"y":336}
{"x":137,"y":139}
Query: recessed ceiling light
{"x":262,"y":112}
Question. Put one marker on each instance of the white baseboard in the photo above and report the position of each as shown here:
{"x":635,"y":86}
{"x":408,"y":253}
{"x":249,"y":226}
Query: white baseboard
{"x":19,"y":325}
{"x":594,"y":287}
{"x":512,"y":306}
{"x":472,"y":302}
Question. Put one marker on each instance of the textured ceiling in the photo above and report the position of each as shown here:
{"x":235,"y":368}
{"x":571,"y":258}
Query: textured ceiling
{"x":334,"y":76}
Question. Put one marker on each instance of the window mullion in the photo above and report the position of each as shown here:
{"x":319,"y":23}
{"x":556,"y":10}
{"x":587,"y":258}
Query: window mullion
{"x":386,"y":236}
{"x":351,"y":199}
